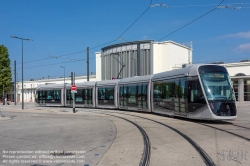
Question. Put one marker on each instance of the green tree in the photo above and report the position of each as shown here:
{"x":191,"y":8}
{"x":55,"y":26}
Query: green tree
{"x":5,"y":70}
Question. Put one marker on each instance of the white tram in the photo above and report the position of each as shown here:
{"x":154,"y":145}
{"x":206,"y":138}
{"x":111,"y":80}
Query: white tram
{"x":194,"y":92}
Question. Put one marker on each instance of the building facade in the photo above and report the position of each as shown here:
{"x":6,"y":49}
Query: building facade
{"x":240,"y":76}
{"x":140,"y":58}
{"x":30,"y":87}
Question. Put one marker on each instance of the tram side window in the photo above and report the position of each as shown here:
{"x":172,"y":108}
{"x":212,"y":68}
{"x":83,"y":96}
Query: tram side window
{"x":158,"y":90}
{"x":50,"y":95}
{"x":69,"y":96}
{"x":43,"y":94}
{"x":125,"y":95}
{"x":78,"y":96}
{"x":101,"y":93}
{"x":196,"y":95}
{"x":106,"y":93}
{"x":166,"y":87}
{"x":132,"y":94}
{"x":110,"y":93}
{"x":39,"y":95}
{"x":36,"y":96}
{"x":122,"y":94}
{"x":144,"y":92}
{"x":88,"y":94}
{"x":172,"y":89}
{"x":183,"y":89}
{"x":176,"y":93}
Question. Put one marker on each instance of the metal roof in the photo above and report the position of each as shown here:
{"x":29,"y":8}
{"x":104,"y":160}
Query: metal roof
{"x":127,"y":43}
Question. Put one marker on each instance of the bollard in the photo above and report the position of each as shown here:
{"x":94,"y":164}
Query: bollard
{"x":2,"y":115}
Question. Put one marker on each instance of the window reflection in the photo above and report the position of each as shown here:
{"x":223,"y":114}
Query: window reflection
{"x":106,"y":95}
{"x":83,"y":96}
{"x":48,"y":96}
{"x":134,"y":96}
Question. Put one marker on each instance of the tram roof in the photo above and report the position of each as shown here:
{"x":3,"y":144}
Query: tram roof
{"x":49,"y":86}
{"x":107,"y":82}
{"x":190,"y":70}
{"x":135,"y":79}
{"x":84,"y":84}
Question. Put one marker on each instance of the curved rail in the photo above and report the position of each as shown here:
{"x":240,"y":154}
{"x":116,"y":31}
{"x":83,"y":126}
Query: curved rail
{"x":145,"y":160}
{"x":237,"y":135}
{"x":204,"y":155}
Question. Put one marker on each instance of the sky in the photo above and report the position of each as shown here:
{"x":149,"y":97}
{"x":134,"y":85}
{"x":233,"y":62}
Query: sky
{"x":62,"y":30}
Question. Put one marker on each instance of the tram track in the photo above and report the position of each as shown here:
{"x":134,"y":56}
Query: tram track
{"x":207,"y":160}
{"x":229,"y":132}
{"x":241,"y":126}
{"x":145,"y":160}
{"x":229,"y":123}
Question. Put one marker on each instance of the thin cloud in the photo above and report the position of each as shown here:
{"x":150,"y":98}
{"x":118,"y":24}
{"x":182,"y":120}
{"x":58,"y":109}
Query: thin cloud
{"x":243,"y":48}
{"x":145,"y":37}
{"x":238,"y":35}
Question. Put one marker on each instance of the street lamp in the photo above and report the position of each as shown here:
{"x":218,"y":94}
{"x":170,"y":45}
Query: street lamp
{"x":63,"y":84}
{"x":22,"y":65}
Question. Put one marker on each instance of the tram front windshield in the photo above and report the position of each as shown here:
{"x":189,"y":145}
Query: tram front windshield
{"x":216,"y":83}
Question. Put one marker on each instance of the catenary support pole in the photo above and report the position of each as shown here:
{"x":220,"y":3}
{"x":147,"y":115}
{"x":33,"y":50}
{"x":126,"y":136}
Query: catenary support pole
{"x":73,"y":94}
{"x":15,"y":81}
{"x":87,"y":63}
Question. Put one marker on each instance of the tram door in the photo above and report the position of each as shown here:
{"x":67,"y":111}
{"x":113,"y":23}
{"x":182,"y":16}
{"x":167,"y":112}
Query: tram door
{"x":180,"y":97}
{"x":196,"y":98}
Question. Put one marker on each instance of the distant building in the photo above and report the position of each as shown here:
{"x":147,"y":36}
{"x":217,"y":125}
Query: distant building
{"x":240,"y":76}
{"x":140,"y":58}
{"x":30,"y":87}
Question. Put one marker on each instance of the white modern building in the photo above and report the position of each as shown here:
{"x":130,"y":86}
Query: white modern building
{"x":140,"y":58}
{"x":240,"y":76}
{"x":30,"y":87}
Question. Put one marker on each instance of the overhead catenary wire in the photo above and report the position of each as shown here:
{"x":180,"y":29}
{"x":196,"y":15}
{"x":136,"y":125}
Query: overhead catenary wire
{"x":59,"y":56}
{"x":74,"y":60}
{"x":239,"y":3}
{"x":150,"y":5}
{"x":210,"y":11}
